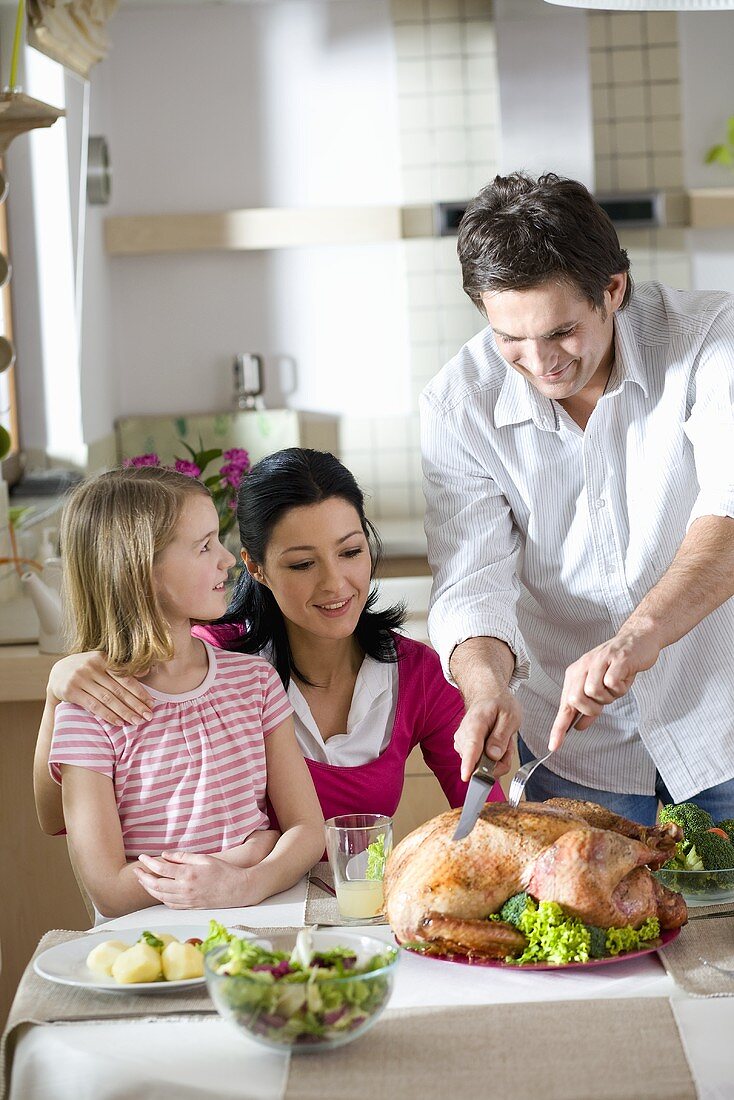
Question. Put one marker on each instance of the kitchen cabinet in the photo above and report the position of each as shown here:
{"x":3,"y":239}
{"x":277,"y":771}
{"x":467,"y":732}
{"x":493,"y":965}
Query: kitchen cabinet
{"x":39,"y":887}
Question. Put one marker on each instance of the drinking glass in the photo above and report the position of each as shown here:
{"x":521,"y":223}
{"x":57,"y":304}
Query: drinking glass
{"x":358,"y":846}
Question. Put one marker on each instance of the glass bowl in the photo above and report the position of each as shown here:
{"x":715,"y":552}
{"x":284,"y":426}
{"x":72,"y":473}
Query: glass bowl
{"x":699,"y":887}
{"x":319,"y":1014}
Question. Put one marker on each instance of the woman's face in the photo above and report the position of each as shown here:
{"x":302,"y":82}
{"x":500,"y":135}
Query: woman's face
{"x":317,"y":565}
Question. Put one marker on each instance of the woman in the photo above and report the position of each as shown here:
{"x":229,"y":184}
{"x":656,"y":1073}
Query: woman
{"x":364,"y":696}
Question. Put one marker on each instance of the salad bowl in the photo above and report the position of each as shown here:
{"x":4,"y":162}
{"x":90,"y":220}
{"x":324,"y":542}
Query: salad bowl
{"x":311,"y":991}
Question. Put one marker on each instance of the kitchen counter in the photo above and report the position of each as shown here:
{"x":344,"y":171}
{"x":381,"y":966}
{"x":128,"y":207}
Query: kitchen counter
{"x":405,"y":553}
{"x":24,"y":673}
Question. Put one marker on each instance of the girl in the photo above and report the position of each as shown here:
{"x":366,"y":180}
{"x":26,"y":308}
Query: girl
{"x":364,"y":695}
{"x":142,"y":559}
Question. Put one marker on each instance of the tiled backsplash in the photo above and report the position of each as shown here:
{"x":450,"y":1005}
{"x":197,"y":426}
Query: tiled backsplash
{"x":449,"y":136}
{"x":449,"y":132}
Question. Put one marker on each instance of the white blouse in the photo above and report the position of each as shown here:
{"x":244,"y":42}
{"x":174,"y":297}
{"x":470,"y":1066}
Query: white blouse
{"x":369,"y":724}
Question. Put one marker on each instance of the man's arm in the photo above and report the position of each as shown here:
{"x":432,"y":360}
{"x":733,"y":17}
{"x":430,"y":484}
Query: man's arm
{"x":699,"y":579}
{"x":473,"y":549}
{"x":482,"y":668}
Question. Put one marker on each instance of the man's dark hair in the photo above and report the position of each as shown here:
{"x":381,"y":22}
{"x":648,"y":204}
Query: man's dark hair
{"x":293,"y":478}
{"x":519,"y":233}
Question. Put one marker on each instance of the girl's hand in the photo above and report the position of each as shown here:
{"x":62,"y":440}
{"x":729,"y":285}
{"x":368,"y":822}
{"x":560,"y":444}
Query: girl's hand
{"x":190,"y":880}
{"x":83,"y":678}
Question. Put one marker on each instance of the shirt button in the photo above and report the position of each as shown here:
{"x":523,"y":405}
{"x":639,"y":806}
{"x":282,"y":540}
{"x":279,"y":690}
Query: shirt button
{"x":601,"y":503}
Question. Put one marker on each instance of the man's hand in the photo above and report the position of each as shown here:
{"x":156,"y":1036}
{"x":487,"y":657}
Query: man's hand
{"x":488,"y":724}
{"x":601,"y":676}
{"x":190,"y":880}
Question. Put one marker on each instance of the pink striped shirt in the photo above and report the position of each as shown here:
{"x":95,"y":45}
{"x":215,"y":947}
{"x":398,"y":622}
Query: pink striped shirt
{"x":193,"y":777}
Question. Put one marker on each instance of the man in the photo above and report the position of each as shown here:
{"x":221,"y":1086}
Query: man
{"x":578,"y":456}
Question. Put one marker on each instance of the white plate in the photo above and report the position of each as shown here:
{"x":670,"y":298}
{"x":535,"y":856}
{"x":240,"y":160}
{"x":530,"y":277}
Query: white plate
{"x":66,"y":963}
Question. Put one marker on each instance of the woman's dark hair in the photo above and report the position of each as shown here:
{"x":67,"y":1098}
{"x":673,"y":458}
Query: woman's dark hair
{"x":289,"y":479}
{"x":519,"y":233}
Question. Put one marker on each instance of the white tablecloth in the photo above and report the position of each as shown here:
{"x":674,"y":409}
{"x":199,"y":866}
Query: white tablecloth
{"x":207,"y":1059}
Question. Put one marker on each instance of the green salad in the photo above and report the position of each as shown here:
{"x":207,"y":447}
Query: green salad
{"x":300,"y":997}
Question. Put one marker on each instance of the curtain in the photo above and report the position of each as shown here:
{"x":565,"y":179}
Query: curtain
{"x":73,"y":32}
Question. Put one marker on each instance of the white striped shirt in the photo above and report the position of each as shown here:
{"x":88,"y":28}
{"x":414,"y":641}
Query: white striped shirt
{"x":548,"y":537}
{"x":193,"y":777}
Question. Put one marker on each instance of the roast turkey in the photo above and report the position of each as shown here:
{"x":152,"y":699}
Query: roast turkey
{"x":594,"y":863}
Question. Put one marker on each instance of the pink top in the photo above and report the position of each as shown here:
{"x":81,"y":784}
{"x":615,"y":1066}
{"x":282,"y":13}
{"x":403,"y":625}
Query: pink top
{"x":193,"y":777}
{"x":428,"y":712}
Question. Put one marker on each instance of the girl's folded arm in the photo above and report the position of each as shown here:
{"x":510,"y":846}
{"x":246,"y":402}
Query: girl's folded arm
{"x":95,"y":842}
{"x":256,"y":847}
{"x":292,"y":794}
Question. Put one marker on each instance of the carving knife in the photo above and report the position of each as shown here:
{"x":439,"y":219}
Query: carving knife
{"x":480,"y":785}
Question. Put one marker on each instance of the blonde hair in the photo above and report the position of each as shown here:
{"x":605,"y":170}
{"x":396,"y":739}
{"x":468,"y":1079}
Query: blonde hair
{"x":113,"y":528}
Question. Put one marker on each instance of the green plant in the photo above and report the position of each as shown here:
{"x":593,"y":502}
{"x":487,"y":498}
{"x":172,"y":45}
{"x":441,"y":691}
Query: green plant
{"x":5,"y":442}
{"x":724,"y":152}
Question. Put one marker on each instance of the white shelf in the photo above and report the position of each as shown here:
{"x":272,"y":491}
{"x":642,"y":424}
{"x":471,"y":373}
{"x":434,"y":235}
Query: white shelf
{"x":238,"y":230}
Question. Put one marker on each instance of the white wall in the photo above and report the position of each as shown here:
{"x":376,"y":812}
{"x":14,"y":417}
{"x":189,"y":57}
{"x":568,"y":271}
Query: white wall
{"x":707,"y":86}
{"x":220,"y":107}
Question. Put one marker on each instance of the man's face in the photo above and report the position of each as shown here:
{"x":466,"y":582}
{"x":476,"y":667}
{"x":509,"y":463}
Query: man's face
{"x":554,"y":337}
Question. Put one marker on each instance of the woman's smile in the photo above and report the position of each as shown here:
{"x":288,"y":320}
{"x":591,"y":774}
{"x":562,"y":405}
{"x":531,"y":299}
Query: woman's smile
{"x":335,"y":608}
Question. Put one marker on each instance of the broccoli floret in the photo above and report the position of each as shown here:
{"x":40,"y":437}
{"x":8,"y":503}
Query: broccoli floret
{"x":598,"y":941}
{"x":514,"y":908}
{"x":716,"y":853}
{"x":690,"y":817}
{"x":728,"y":827}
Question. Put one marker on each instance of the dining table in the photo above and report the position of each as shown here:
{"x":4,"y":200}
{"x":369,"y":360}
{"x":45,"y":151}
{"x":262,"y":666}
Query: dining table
{"x":627,"y":1030}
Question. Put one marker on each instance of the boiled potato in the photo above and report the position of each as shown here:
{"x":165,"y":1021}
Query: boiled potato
{"x":164,"y":937}
{"x":101,"y":957}
{"x":141,"y":963}
{"x":180,"y":961}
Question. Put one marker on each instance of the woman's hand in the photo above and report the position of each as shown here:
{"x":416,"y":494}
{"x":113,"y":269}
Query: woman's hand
{"x":190,"y":880}
{"x":83,"y":678}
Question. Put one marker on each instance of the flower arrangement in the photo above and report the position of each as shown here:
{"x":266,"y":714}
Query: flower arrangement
{"x":222,"y":485}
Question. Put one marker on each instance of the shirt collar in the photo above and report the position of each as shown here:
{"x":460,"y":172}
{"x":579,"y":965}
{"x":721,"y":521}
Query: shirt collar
{"x":519,"y":401}
{"x":627,"y":366}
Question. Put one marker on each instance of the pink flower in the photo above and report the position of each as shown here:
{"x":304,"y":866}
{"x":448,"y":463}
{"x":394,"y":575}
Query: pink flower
{"x":143,"y":460}
{"x":232,"y":474}
{"x":237,"y":456}
{"x":190,"y":469}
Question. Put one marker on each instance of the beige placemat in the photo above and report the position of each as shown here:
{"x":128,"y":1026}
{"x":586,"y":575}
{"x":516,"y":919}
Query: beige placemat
{"x":708,"y":939}
{"x":321,"y":906}
{"x":38,"y":1001}
{"x":626,"y":1049}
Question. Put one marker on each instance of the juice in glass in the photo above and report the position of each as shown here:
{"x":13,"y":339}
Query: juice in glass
{"x":360,"y":898}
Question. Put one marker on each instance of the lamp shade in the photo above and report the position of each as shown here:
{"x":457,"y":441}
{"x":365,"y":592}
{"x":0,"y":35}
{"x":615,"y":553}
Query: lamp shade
{"x":647,"y":5}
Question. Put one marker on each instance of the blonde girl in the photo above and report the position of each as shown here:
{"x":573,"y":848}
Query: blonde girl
{"x":170,"y":810}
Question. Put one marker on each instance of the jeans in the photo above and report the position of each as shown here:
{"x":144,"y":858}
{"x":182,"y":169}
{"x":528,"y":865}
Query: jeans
{"x":643,"y":808}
